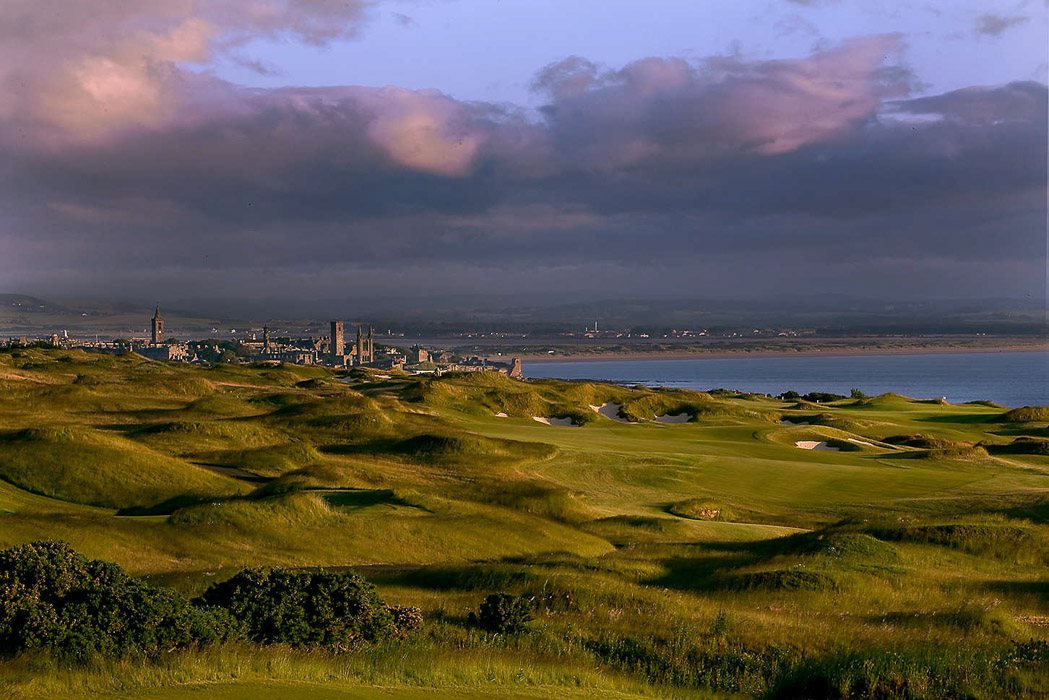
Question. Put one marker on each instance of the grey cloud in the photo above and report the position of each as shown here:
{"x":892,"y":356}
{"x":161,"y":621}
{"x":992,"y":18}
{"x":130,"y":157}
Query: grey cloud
{"x":1020,"y":101}
{"x":991,"y":24}
{"x":669,"y":109}
{"x":667,"y":173}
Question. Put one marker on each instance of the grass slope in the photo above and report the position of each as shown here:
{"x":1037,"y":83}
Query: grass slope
{"x":712,"y":558}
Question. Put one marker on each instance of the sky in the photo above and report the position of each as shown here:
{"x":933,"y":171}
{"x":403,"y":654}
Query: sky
{"x":282,"y":151}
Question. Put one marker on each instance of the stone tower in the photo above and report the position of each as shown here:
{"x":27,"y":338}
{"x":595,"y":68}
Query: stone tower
{"x":365,"y":347}
{"x":338,"y":343}
{"x":265,"y":339}
{"x":158,"y":327}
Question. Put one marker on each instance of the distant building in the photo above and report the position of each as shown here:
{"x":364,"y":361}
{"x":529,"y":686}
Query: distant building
{"x":337,"y":346}
{"x":365,"y":347}
{"x":175,"y":352}
{"x":158,"y":327}
{"x":418,"y":354}
{"x":299,"y":356}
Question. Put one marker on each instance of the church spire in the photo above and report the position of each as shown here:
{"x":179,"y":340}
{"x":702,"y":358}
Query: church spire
{"x":158,"y":327}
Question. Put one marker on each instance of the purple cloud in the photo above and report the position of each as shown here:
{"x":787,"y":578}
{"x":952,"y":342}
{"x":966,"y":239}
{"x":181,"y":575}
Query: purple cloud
{"x":115,"y":154}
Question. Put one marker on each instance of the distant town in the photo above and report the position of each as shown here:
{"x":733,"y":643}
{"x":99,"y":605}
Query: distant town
{"x":331,"y":350}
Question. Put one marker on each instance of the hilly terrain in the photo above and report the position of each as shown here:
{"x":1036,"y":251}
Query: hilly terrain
{"x":672,"y":543}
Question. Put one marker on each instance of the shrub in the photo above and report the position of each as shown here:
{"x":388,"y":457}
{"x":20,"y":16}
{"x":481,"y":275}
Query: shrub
{"x":406,"y":619}
{"x":505,"y":613}
{"x":53,"y":598}
{"x":305,"y":609}
{"x":822,"y":397}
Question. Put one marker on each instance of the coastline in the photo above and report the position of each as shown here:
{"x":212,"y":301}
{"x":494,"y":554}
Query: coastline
{"x":721,"y":354}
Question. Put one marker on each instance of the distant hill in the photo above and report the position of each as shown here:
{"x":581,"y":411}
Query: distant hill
{"x":22,"y":314}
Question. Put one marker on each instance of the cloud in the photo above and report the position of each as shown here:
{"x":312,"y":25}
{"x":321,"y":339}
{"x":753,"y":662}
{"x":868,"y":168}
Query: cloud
{"x":990,"y":24}
{"x":670,"y":110}
{"x":97,"y":67}
{"x":1019,"y":101}
{"x":118,"y":156}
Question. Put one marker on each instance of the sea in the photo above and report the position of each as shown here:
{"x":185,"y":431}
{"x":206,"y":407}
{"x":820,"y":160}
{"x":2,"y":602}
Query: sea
{"x":1011,"y":379}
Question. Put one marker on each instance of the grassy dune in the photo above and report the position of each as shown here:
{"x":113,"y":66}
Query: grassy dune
{"x":712,"y":558}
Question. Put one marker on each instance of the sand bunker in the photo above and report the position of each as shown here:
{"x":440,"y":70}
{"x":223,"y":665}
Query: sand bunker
{"x":610,"y":410}
{"x":790,"y":422}
{"x":814,"y":445}
{"x":861,"y":442}
{"x":675,"y":418}
{"x":562,"y":422}
{"x":501,"y":415}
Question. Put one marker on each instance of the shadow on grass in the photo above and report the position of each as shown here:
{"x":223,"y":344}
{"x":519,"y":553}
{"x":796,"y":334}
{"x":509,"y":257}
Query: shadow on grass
{"x":169,"y":506}
{"x":476,"y":577}
{"x":364,"y":498}
{"x":1040,"y":588}
{"x":957,"y":419}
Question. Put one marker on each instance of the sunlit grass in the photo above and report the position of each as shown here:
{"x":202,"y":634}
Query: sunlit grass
{"x":708,"y":557}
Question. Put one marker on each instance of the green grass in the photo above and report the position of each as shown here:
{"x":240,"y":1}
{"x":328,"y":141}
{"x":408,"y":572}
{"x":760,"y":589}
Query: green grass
{"x":85,"y":466}
{"x":707,"y":559}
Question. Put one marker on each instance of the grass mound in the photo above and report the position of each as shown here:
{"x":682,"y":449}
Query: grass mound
{"x":853,"y":546}
{"x":843,"y":423}
{"x":486,"y":393}
{"x":538,"y":498}
{"x":272,"y":460}
{"x":795,"y":579}
{"x":887,"y":401}
{"x":703,"y":509}
{"x":1000,"y":540}
{"x":838,"y":439}
{"x":270,"y":514}
{"x":926,"y":442}
{"x":700,"y":406}
{"x":185,"y":437}
{"x":359,"y":424}
{"x":969,"y":453}
{"x":84,"y":466}
{"x":433,"y":448}
{"x":352,"y":417}
{"x":1027,"y":414}
{"x":622,"y":530}
{"x":221,"y":406}
{"x":1021,"y":446}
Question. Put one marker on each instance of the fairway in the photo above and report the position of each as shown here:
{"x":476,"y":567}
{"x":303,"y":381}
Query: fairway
{"x":707,"y":558}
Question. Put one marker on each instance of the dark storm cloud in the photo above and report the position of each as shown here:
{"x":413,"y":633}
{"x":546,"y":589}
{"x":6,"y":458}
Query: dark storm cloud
{"x":123,"y":170}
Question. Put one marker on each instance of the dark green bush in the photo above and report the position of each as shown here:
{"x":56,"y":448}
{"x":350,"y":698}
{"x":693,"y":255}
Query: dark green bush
{"x":505,"y":613}
{"x":53,"y":598}
{"x":406,"y":619}
{"x":305,"y":609}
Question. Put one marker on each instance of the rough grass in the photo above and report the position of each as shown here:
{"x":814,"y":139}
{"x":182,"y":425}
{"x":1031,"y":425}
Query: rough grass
{"x":84,"y":466}
{"x":707,"y":559}
{"x":1026,"y":414}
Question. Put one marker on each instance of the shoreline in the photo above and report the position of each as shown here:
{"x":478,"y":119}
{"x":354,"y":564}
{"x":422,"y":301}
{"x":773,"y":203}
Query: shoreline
{"x":722,"y":354}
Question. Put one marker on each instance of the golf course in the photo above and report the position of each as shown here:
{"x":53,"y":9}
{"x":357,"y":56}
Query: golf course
{"x":659,"y":542}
